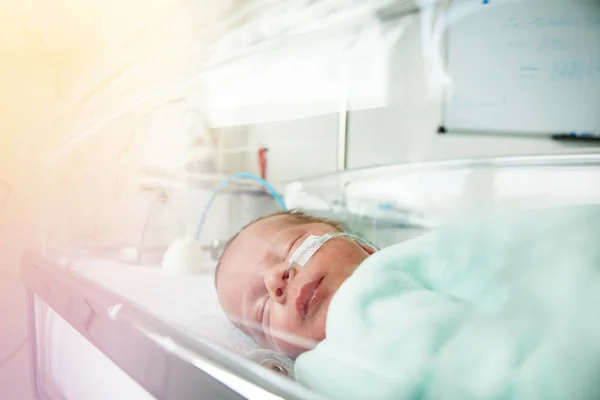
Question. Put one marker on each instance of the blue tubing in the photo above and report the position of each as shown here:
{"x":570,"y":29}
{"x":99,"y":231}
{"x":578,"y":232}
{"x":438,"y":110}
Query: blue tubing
{"x":225,"y":183}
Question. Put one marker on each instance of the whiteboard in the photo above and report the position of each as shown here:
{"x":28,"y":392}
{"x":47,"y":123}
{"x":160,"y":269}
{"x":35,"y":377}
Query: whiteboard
{"x":527,"y":66}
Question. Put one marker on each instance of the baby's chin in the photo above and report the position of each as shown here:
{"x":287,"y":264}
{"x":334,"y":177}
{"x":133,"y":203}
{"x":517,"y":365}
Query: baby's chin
{"x":293,"y":350}
{"x":307,"y":340}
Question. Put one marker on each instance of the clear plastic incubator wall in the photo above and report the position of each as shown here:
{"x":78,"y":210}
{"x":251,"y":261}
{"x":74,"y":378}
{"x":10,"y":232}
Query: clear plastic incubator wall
{"x":391,"y":117}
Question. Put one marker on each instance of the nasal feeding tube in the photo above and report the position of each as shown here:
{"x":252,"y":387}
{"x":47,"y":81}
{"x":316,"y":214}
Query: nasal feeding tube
{"x":313,"y":243}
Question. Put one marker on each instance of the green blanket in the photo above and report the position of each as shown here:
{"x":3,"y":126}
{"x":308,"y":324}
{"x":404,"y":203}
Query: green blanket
{"x":501,"y":307}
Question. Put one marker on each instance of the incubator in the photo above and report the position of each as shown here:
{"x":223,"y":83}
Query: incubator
{"x":373,"y":114}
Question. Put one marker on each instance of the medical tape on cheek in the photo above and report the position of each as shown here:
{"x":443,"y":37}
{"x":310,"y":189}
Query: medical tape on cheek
{"x":307,"y":249}
{"x":313,"y":243}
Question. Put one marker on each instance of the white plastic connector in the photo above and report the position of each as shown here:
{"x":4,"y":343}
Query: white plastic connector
{"x":185,"y":256}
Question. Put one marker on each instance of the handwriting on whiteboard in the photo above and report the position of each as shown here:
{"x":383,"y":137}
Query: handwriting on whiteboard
{"x":514,"y":23}
{"x":547,"y":38}
{"x":561,"y":70}
{"x":546,"y":44}
{"x":574,"y":71}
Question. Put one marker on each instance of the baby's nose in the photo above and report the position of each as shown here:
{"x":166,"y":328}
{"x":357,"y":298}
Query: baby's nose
{"x":276,"y":283}
{"x":290,"y":273}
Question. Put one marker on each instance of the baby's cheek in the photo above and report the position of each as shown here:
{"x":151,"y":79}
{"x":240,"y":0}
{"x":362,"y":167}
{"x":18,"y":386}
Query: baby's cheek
{"x":295,"y":334}
{"x":287,"y":322}
{"x":320,"y":323}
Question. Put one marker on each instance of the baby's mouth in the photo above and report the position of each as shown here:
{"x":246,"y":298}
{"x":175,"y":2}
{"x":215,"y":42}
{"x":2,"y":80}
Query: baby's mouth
{"x":308,"y":297}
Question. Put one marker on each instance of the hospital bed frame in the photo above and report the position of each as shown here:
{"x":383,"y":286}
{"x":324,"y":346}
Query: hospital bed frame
{"x":127,"y":335}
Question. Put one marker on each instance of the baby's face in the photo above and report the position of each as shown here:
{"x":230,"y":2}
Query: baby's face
{"x":276,"y":307}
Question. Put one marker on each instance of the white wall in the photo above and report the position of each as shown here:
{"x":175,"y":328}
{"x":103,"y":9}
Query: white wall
{"x":297,"y":149}
{"x":404,"y":131}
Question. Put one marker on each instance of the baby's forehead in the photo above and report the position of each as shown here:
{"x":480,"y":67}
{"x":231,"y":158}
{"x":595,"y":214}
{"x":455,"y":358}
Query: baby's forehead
{"x":261,"y":236}
{"x":270,"y":227}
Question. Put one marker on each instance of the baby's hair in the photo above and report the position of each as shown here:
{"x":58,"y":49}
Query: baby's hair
{"x":299,"y":216}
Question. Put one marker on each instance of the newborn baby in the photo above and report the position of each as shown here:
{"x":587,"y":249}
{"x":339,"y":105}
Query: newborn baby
{"x":498,"y":306}
{"x":284,"y":310}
